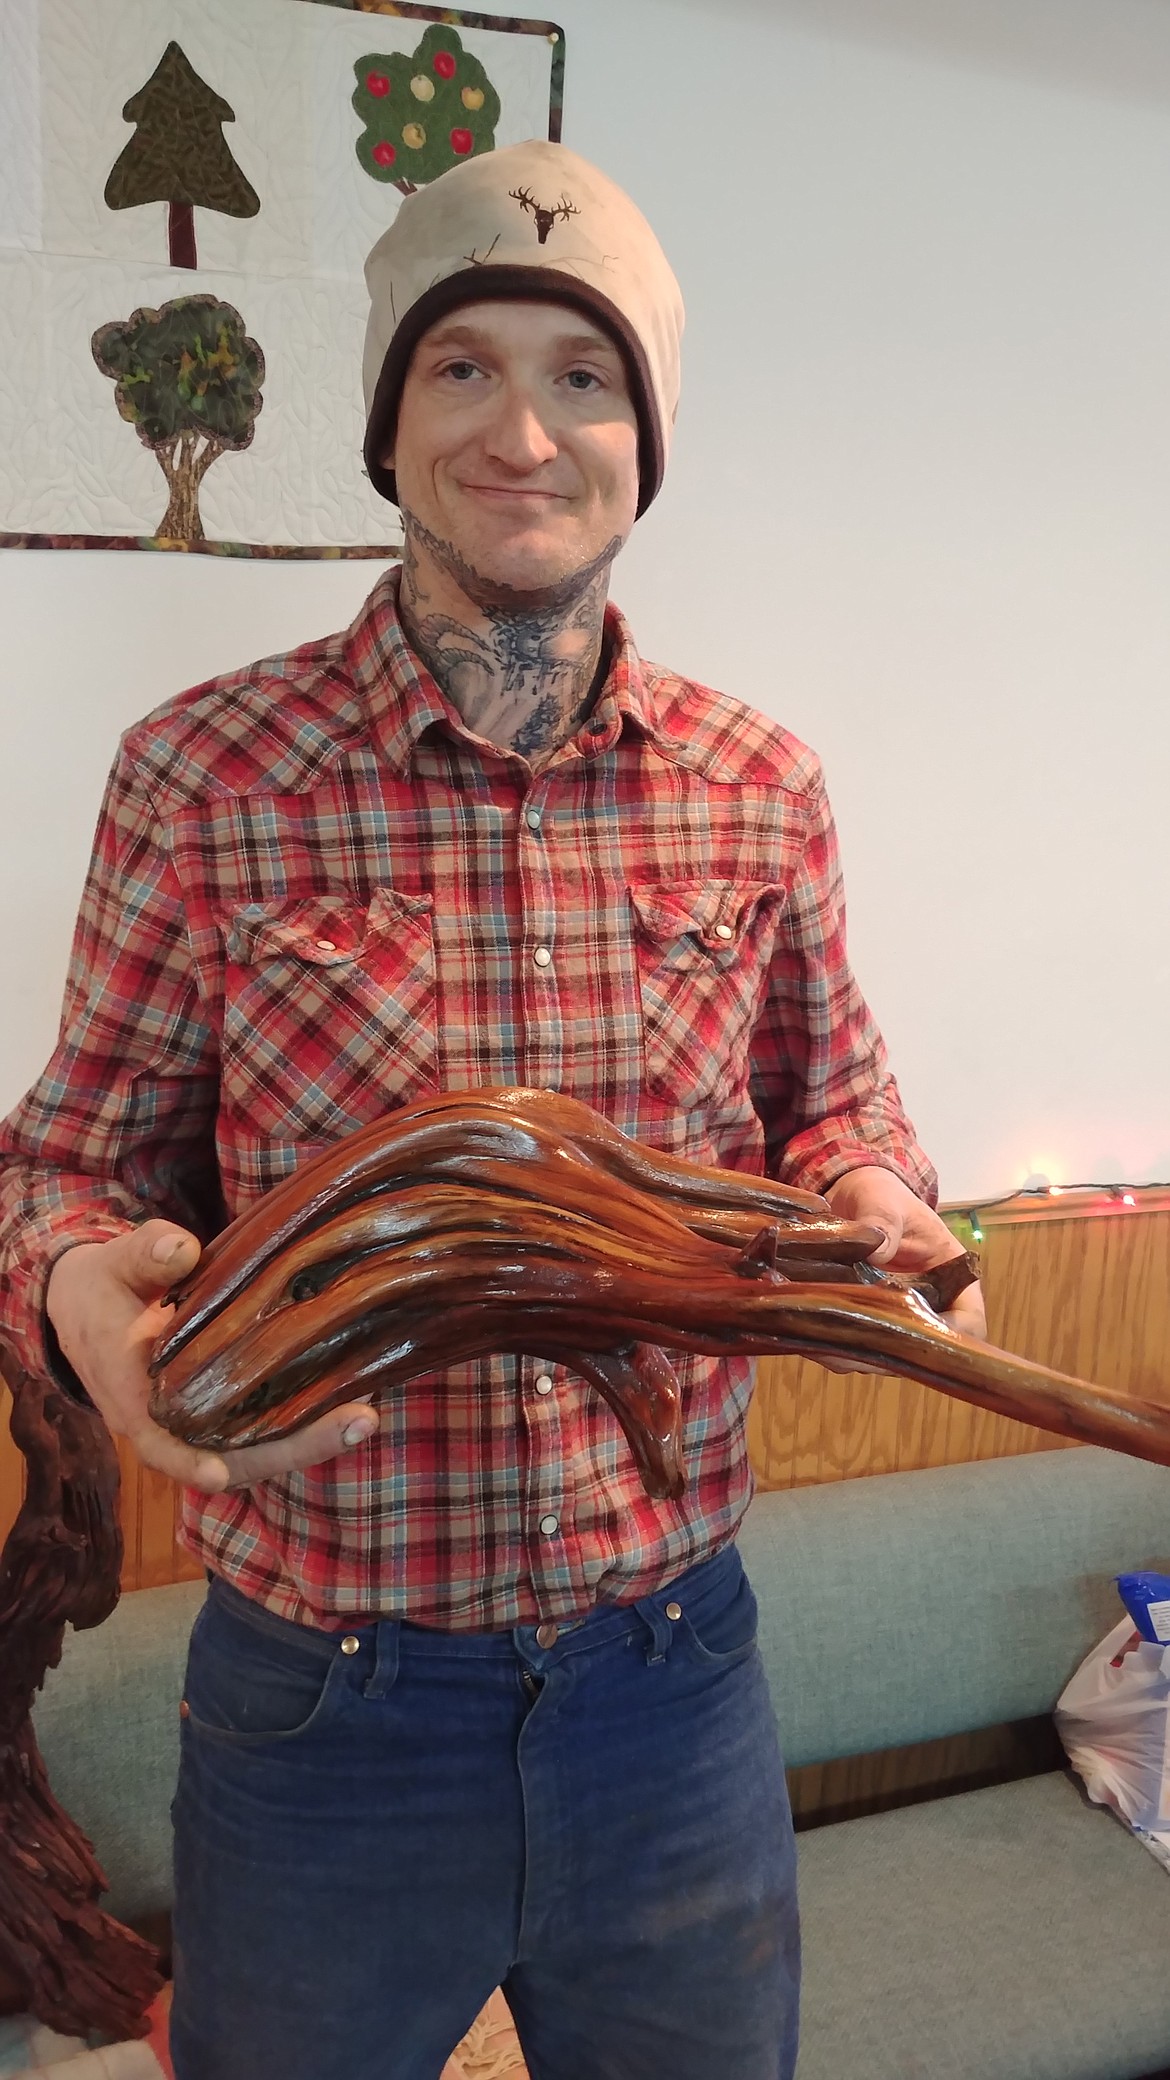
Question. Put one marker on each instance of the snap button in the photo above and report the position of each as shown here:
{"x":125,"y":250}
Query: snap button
{"x":723,"y":931}
{"x":184,"y":1709}
{"x":542,"y":957}
{"x":532,"y":819}
{"x":550,"y":1524}
{"x":543,"y":1383}
{"x":674,"y":1612}
{"x":325,"y":945}
{"x":597,"y":728}
{"x":350,"y":1644}
{"x":546,"y":1635}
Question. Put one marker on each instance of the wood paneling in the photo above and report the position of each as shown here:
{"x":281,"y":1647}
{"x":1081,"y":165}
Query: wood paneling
{"x":1088,"y":1292}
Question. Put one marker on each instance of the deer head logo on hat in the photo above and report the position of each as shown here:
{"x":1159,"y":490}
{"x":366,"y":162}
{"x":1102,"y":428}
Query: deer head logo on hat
{"x":545,"y":218}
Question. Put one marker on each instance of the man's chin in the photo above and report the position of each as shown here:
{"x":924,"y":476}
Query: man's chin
{"x":528,"y":573}
{"x":514,"y":563}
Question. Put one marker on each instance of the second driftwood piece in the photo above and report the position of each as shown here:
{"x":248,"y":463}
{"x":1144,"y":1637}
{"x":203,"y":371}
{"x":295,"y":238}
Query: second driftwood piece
{"x":512,"y":1220}
{"x":68,"y":1962}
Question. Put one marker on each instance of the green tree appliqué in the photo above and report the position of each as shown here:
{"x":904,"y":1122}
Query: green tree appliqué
{"x":188,"y":381}
{"x":423,"y":113}
{"x":179,"y":155}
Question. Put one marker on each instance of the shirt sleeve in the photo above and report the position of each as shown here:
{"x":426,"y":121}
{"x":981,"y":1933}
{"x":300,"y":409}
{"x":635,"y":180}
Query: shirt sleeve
{"x":120,"y":1127}
{"x":821,"y":1082}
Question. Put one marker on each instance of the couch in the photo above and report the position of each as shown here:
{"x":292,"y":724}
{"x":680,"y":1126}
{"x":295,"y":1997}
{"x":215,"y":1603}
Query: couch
{"x":1008,"y":1933}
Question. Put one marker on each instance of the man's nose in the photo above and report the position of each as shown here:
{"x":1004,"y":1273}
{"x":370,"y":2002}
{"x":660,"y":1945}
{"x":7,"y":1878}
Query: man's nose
{"x":518,"y":435}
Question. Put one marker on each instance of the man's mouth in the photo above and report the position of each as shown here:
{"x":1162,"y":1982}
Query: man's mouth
{"x":521,"y":493}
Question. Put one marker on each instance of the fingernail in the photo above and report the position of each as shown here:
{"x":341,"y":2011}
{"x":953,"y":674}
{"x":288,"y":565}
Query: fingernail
{"x":165,"y":1248}
{"x":358,"y":1431}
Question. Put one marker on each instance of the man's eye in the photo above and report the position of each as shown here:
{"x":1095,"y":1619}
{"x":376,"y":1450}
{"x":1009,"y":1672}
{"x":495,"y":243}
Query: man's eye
{"x":583,"y":379}
{"x":461,"y":371}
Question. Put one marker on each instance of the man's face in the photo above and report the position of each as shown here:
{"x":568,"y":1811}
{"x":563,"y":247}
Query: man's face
{"x":517,"y":442}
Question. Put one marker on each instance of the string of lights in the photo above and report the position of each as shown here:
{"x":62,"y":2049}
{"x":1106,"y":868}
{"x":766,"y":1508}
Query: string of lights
{"x":968,"y":1211}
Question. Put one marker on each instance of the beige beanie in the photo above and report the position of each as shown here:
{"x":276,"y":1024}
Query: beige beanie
{"x":532,"y":220}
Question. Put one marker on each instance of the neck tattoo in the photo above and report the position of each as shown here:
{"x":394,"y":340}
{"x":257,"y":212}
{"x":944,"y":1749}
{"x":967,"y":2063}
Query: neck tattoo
{"x":522,"y":670}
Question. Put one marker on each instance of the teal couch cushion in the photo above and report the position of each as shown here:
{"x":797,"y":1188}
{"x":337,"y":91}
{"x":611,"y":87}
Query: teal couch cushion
{"x":906,"y":1606}
{"x":1010,"y":1934}
{"x":107,"y":1723}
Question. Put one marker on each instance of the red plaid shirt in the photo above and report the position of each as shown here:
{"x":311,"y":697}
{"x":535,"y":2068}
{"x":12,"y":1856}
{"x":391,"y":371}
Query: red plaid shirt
{"x":315,"y":894}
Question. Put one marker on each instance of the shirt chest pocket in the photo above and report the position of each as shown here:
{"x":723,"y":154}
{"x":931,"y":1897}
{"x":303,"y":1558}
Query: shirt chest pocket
{"x":329,"y":1012}
{"x":704,"y":949}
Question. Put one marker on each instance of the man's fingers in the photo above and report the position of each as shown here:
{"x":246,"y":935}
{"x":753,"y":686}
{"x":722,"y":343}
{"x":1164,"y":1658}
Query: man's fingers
{"x":342,"y":1430}
{"x":969,"y":1315}
{"x":181,"y":1462}
{"x":890,"y":1243}
{"x":155,"y":1256}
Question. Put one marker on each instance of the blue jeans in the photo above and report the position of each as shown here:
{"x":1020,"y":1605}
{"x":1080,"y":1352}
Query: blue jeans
{"x":367,"y":1842}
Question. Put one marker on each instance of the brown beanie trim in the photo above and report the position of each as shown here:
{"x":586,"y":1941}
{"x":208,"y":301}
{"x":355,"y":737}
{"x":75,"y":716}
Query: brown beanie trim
{"x":512,"y":284}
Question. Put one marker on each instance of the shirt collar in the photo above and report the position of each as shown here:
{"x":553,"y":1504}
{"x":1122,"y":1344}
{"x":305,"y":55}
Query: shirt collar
{"x":401,"y":699}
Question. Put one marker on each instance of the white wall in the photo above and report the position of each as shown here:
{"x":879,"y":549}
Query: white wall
{"x":919,"y":510}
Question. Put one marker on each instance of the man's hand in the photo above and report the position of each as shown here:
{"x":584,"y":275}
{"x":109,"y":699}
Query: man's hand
{"x":916,"y":1238}
{"x":104,"y":1300}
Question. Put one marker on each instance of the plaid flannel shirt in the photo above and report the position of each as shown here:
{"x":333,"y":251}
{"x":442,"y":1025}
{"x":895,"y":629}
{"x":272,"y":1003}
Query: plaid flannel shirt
{"x":316,"y":895}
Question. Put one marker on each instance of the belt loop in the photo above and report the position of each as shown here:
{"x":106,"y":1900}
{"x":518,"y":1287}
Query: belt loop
{"x":659,"y":1627}
{"x":385,"y":1659}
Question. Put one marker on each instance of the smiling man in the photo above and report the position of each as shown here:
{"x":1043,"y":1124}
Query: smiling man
{"x":516,"y":465}
{"x":464,"y":1705}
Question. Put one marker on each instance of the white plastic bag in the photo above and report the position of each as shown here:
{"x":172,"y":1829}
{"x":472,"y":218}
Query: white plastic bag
{"x":1114,"y":1721}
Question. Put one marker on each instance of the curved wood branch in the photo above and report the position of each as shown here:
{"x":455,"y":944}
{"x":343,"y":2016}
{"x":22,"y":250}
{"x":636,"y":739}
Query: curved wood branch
{"x":519,"y":1221}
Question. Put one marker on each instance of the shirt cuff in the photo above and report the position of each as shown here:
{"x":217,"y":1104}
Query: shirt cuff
{"x":816,"y":1170}
{"x":27,"y":1328}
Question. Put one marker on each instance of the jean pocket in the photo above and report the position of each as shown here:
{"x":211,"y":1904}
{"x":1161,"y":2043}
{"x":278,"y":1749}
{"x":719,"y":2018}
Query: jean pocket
{"x":721,"y":1630}
{"x":245,"y":1688}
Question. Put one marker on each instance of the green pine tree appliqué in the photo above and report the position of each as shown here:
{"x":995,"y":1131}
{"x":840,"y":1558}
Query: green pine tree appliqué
{"x":179,"y":155}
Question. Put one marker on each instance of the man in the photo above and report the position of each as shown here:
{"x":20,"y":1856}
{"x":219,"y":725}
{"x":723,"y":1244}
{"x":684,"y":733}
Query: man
{"x":465,"y":1706}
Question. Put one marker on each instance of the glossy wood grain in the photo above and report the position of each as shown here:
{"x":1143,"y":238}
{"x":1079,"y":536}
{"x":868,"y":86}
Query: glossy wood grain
{"x":1086,"y":1292}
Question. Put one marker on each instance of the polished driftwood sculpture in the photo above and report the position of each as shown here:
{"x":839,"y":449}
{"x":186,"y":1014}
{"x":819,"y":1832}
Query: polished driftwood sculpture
{"x":61,"y":1957}
{"x":520,"y":1221}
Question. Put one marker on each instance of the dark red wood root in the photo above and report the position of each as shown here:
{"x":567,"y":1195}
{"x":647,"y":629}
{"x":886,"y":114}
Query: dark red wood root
{"x":72,"y":1965}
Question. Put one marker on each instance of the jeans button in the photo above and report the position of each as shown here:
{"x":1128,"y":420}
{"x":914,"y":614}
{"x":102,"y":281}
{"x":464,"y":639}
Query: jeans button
{"x":674,"y":1612}
{"x":350,"y":1644}
{"x":546,"y":1635}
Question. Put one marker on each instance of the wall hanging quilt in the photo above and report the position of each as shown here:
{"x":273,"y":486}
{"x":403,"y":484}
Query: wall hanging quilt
{"x":187,"y":197}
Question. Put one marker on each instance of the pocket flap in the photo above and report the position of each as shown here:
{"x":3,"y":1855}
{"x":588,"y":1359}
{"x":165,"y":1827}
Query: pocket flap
{"x":715,"y":913}
{"x":325,"y":931}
